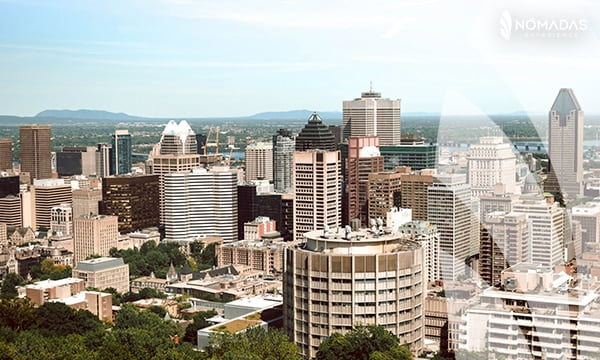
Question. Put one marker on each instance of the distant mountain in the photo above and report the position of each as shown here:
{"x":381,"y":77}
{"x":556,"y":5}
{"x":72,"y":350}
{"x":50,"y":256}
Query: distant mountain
{"x":87,"y":115}
{"x":295,"y":115}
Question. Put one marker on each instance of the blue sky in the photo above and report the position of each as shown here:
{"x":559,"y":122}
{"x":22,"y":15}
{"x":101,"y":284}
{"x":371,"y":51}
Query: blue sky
{"x":206,"y":58}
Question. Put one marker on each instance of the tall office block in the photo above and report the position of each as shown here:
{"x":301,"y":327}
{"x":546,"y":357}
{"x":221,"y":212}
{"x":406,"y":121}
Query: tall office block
{"x":200,"y":143}
{"x":283,"y":156}
{"x":121,"y":153}
{"x":76,"y":160}
{"x":315,"y":136}
{"x":413,"y":190}
{"x":259,"y":161}
{"x":449,"y":208}
{"x":9,"y":185}
{"x":491,"y":162}
{"x":86,"y":202}
{"x":48,"y":193}
{"x":565,"y":143}
{"x":134,"y":199}
{"x":6,"y":154}
{"x":372,"y":115}
{"x":35,"y":150}
{"x":363,"y":159}
{"x":103,"y":160}
{"x":495,"y":201}
{"x":61,"y":220}
{"x":317,"y":189}
{"x":11,"y":210}
{"x":383,"y":193}
{"x":201,"y":203}
{"x":417,"y":157}
{"x":588,"y":215}
{"x":94,"y":235}
{"x":428,"y":237}
{"x":340,"y":279}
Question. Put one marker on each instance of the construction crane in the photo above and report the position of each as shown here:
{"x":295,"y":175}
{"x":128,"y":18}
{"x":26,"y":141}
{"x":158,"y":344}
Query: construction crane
{"x":212,"y":144}
{"x":231,"y":148}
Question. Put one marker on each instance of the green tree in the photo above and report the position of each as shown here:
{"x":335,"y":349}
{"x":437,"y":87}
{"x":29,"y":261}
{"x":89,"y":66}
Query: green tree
{"x":158,"y":310}
{"x":17,"y":314}
{"x":57,"y":319}
{"x":9,"y":286}
{"x":254,"y":344}
{"x":199,"y":322}
{"x":364,"y":342}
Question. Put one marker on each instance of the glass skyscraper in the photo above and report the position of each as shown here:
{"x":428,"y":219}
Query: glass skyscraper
{"x":121,"y":154}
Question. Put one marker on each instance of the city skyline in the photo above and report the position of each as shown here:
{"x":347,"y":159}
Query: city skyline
{"x":182,"y":59}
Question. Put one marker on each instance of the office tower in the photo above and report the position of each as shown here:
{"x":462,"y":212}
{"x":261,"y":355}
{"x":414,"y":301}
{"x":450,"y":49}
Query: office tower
{"x":6,"y":154}
{"x":318,"y":192}
{"x":259,"y":161}
{"x":504,"y":241}
{"x":588,"y":215}
{"x":413,"y":190}
{"x":201,"y":203}
{"x":94,"y":235}
{"x":428,"y":236}
{"x":103,"y":273}
{"x":497,"y":200}
{"x":9,"y":185}
{"x":315,"y":135}
{"x":35,"y":150}
{"x":121,"y":153}
{"x":340,"y":279}
{"x":252,"y":203}
{"x":175,"y":153}
{"x":449,"y":208}
{"x":371,"y":115}
{"x":200,"y":143}
{"x":103,"y":160}
{"x":283,"y":156}
{"x":11,"y":210}
{"x":565,"y":145}
{"x":363,"y":159}
{"x":48,"y":193}
{"x":134,"y":199}
{"x":76,"y":160}
{"x":417,"y":157}
{"x":86,"y":202}
{"x":61,"y":220}
{"x":336,"y":130}
{"x":547,"y":229}
{"x":384,"y":194}
{"x":491,"y":162}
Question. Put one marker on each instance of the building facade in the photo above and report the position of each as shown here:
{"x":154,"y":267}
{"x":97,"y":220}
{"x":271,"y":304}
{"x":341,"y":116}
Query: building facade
{"x":372,"y":115}
{"x":284,"y":145}
{"x":6,"y":154}
{"x":259,"y":161}
{"x":48,"y":193}
{"x":121,"y":153}
{"x":35,"y":150}
{"x":489,"y":163}
{"x":94,"y":235}
{"x":102,"y":273}
{"x":417,"y":157}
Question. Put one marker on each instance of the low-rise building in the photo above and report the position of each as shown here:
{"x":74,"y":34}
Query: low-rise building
{"x":102,"y":273}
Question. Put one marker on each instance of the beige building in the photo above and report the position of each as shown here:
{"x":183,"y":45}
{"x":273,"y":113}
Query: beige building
{"x":413,"y":187}
{"x":102,"y":273}
{"x":372,"y":115}
{"x":491,"y":162}
{"x":48,"y":193}
{"x":94,"y":235}
{"x":3,"y":236}
{"x":383,"y":193}
{"x":61,"y":220}
{"x":317,"y":188}
{"x":11,"y":210}
{"x":588,"y":215}
{"x":260,"y":255}
{"x":340,"y":279}
{"x":259,"y":161}
{"x":35,"y":150}
{"x":6,"y":154}
{"x":255,"y":229}
{"x":86,"y":202}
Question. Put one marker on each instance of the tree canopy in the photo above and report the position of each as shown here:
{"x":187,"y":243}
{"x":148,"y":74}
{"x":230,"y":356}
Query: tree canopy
{"x":254,"y":344}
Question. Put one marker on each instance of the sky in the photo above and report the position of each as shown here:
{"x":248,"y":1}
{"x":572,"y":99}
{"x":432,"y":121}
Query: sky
{"x":195,"y":58}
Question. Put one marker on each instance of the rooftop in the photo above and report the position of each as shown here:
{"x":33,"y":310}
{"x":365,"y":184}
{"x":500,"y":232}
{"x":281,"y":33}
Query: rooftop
{"x":98,"y":264}
{"x":48,"y":284}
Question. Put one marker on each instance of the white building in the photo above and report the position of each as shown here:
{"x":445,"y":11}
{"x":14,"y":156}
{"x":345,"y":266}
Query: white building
{"x":259,"y":161}
{"x":491,"y":162}
{"x":201,"y":203}
{"x":284,"y":145}
{"x":428,"y":236}
{"x":61,"y":220}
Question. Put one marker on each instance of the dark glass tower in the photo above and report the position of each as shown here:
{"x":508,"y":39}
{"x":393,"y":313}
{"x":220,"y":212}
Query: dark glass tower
{"x":315,"y":135}
{"x":121,"y":154}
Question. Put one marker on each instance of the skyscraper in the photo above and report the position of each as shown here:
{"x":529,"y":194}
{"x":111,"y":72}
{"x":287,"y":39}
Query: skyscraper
{"x":121,"y":152}
{"x":259,"y":161}
{"x":384,"y":194}
{"x":371,"y":115}
{"x":565,"y":142}
{"x":315,"y":135}
{"x":413,"y":187}
{"x":491,"y":162}
{"x":76,"y":160}
{"x":48,"y":193}
{"x":6,"y":154}
{"x":35,"y":151}
{"x":103,"y":160}
{"x":86,"y":202}
{"x":283,"y":156}
{"x":317,"y":187}
{"x":94,"y":235}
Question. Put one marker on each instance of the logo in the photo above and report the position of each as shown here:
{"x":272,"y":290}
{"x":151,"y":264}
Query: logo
{"x":505,"y":25}
{"x":541,"y":27}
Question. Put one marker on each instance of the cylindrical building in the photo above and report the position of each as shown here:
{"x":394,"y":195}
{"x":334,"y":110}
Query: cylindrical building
{"x":338,"y":279}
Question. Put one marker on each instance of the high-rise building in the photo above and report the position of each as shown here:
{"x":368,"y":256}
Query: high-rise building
{"x":103,"y":160}
{"x":283,"y":156}
{"x":201,"y":203}
{"x":588,"y":215}
{"x":504,"y":241}
{"x":61,"y":220}
{"x":317,"y":189}
{"x":200,"y":143}
{"x":565,"y":145}
{"x":48,"y":193}
{"x":491,"y":162}
{"x":428,"y":236}
{"x":11,"y":210}
{"x":417,"y":157}
{"x":134,"y":199}
{"x":371,"y":115}
{"x":497,"y":200}
{"x":259,"y":161}
{"x":6,"y":154}
{"x":384,"y":193}
{"x":340,"y":279}
{"x":94,"y":235}
{"x":35,"y":150}
{"x":121,"y":153}
{"x":449,"y":208}
{"x":86,"y":202}
{"x":9,"y":185}
{"x":413,"y":190}
{"x":315,"y":136}
{"x":76,"y":160}
{"x":363,"y":159}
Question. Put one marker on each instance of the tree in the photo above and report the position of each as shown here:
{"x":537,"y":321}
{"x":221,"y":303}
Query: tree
{"x":254,"y":344}
{"x":191,"y":331}
{"x":158,"y":310}
{"x":17,"y":314}
{"x":9,"y":286}
{"x":57,"y":319}
{"x":364,"y":342}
